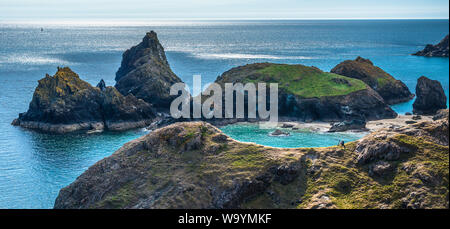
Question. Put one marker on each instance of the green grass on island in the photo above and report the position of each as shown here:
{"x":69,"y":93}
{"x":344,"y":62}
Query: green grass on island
{"x":307,"y":82}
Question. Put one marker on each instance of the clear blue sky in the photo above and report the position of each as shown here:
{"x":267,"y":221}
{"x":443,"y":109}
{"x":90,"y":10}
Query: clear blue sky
{"x":230,"y":9}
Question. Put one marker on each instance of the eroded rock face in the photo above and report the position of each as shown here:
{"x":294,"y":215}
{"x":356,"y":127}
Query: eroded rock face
{"x":438,"y":50}
{"x":330,"y":102}
{"x":145,"y":73}
{"x":64,"y":103}
{"x":194,"y":165}
{"x":430,"y":97}
{"x":391,"y":90}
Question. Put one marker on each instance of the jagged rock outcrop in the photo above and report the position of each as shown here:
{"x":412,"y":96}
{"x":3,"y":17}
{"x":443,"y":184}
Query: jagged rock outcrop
{"x":101,"y":85}
{"x":64,"y":103}
{"x":393,"y":91}
{"x":194,"y":165}
{"x":308,"y":94}
{"x":438,"y":50}
{"x":145,"y":73}
{"x":430,"y":97}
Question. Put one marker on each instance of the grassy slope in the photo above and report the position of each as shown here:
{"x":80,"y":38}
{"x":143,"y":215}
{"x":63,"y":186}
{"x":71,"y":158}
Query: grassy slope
{"x":329,"y":171}
{"x":306,"y":82}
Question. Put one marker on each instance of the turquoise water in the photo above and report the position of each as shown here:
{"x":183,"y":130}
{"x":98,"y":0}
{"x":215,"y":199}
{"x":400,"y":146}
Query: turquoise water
{"x":34,"y":166}
{"x":305,"y":138}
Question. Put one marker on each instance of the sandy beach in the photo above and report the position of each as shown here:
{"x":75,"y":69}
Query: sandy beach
{"x":399,"y":121}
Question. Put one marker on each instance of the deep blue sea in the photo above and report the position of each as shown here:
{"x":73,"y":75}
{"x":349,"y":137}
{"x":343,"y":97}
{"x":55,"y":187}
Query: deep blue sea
{"x":34,"y":166}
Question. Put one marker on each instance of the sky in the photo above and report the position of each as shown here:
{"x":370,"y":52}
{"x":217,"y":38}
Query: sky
{"x":78,"y":10}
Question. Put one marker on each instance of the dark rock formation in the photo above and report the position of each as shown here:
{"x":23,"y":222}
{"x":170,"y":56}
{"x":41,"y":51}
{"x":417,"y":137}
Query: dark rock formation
{"x":64,"y":103}
{"x":416,"y":117}
{"x":430,"y":97}
{"x":439,"y":50}
{"x":145,"y":73}
{"x":101,"y":85}
{"x":278,"y":132}
{"x":287,"y":125}
{"x":393,"y":91}
{"x":308,"y":94}
{"x":356,"y":124}
{"x":194,"y":165}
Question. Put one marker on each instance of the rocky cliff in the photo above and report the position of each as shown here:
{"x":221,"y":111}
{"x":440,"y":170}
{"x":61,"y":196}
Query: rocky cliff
{"x":393,"y":91}
{"x":438,"y":50}
{"x":194,"y":165}
{"x":308,"y":94}
{"x":145,"y":73}
{"x":430,"y":97}
{"x":64,"y":103}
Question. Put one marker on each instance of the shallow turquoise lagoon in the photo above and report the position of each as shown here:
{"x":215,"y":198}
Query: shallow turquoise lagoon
{"x":298,"y":138}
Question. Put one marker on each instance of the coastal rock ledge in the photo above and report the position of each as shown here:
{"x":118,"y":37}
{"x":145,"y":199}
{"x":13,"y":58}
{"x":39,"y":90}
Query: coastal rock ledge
{"x":194,"y":165}
{"x":64,"y":103}
{"x":439,"y":50}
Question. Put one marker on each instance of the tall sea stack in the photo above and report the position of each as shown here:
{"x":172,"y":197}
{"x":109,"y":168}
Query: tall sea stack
{"x":430,"y":97}
{"x":145,"y":73}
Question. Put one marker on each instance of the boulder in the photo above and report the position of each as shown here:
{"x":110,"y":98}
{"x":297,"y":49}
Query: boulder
{"x":145,"y":73}
{"x":278,"y":132}
{"x":416,"y":117}
{"x":438,"y":50}
{"x":430,"y":97}
{"x":356,"y":124}
{"x":391,"y":90}
{"x":380,"y":168}
{"x":287,"y":125}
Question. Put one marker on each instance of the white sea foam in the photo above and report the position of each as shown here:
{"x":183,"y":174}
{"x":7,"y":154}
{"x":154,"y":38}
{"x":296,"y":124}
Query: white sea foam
{"x":248,"y":56}
{"x":31,"y":60}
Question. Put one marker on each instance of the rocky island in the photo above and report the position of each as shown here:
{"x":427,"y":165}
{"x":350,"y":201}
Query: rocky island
{"x":194,"y":165}
{"x":145,"y":73}
{"x":309,"y":94}
{"x":430,"y":97}
{"x":439,"y":50}
{"x":65,"y":103}
{"x":393,"y":91}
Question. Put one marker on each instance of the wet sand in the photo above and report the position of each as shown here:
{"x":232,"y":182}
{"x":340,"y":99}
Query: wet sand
{"x":372,"y":126}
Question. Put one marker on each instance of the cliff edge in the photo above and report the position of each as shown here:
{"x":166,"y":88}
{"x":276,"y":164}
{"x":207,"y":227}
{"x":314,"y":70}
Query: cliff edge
{"x":194,"y":165}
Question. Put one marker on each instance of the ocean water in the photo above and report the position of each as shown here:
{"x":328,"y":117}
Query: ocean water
{"x":34,"y":166}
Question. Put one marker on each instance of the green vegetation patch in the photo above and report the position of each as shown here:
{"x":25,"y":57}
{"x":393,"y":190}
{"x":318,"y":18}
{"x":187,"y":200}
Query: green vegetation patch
{"x":307,"y":82}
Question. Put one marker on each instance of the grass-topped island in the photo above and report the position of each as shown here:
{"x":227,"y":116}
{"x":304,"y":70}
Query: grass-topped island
{"x":308,"y":93}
